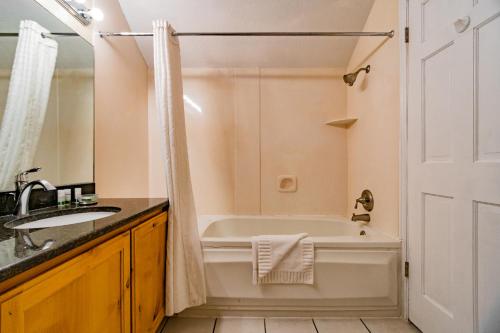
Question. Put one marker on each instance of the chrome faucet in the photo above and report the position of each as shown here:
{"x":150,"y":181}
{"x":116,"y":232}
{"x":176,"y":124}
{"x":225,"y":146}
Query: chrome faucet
{"x":360,"y":217}
{"x":21,"y":178}
{"x":23,"y":243}
{"x":24,"y":191}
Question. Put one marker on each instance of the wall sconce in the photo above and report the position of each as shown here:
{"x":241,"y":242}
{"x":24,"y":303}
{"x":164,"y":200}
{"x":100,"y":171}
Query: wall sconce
{"x":79,"y":11}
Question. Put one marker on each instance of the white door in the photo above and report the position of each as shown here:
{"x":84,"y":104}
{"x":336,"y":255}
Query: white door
{"x":454,"y":165}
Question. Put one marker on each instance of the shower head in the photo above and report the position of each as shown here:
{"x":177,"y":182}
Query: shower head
{"x":351,"y":77}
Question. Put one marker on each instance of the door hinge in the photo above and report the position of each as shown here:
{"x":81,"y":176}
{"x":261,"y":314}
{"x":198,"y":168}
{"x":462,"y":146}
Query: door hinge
{"x":407,"y":268}
{"x":407,"y":34}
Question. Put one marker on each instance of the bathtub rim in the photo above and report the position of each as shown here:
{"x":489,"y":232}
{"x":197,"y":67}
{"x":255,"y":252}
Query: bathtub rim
{"x":376,"y":239}
{"x":319,"y":242}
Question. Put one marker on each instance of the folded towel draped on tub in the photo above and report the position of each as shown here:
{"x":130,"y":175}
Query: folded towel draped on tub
{"x":283,"y":259}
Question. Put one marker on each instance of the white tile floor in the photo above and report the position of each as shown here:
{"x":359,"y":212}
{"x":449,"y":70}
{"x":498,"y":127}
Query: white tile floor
{"x":287,"y":325}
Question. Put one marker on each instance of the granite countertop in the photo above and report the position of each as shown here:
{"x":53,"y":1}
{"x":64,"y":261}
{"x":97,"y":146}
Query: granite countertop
{"x":68,"y":237}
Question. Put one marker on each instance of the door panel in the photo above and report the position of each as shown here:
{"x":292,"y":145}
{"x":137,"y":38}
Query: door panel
{"x":436,"y":94}
{"x":453,"y":165}
{"x":487,"y":85}
{"x":436,"y":257}
{"x":487,"y":291}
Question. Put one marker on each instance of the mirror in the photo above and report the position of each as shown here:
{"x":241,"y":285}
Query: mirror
{"x":46,"y":97}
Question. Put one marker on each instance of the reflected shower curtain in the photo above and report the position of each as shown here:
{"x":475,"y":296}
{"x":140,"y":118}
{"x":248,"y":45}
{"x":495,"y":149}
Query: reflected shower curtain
{"x":185,"y":282}
{"x":27,"y":99}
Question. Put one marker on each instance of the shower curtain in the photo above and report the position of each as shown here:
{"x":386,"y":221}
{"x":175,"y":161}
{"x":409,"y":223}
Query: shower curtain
{"x":185,"y":281}
{"x":27,"y":99}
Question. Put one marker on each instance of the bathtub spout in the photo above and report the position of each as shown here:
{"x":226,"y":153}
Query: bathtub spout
{"x":360,"y":217}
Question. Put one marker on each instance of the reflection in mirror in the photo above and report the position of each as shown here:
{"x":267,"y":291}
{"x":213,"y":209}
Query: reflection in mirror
{"x":46,"y":97}
{"x":27,"y":98}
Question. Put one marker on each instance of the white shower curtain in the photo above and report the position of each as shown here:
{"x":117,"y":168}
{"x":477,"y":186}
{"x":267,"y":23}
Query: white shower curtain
{"x":185,"y":282}
{"x":27,"y":99}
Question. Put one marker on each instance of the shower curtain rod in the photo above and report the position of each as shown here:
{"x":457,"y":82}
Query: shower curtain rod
{"x":44,"y":34}
{"x":389,"y":34}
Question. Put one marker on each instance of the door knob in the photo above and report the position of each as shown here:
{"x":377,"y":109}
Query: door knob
{"x":462,"y":23}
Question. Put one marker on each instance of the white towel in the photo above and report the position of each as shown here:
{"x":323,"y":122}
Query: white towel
{"x":283,"y":259}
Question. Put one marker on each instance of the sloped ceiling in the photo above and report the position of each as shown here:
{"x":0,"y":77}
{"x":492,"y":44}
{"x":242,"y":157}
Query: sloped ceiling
{"x":253,"y":15}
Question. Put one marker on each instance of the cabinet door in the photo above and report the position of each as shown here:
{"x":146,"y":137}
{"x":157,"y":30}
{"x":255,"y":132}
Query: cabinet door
{"x":148,"y":274}
{"x":89,"y":293}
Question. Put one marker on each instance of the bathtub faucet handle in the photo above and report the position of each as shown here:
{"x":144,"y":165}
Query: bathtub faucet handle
{"x":366,"y":199}
{"x":359,"y":200}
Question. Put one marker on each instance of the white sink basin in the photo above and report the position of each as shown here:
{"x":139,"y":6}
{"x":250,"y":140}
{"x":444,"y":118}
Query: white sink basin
{"x":57,"y":221}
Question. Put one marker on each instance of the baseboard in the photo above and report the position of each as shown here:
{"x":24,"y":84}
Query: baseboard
{"x":296,"y":312}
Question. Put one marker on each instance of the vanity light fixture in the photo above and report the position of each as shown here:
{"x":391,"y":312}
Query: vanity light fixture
{"x":81,"y":12}
{"x":93,"y":13}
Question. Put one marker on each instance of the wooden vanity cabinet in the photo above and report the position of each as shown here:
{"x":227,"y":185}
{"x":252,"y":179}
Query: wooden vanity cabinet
{"x":117,"y":286}
{"x":89,"y":293}
{"x":148,"y":274}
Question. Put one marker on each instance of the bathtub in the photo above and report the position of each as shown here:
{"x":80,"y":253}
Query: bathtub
{"x":357,"y":270}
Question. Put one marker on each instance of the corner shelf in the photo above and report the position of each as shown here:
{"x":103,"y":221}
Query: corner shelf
{"x":344,"y":122}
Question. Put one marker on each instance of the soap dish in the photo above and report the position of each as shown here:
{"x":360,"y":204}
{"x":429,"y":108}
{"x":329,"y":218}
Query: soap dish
{"x":88,"y":199}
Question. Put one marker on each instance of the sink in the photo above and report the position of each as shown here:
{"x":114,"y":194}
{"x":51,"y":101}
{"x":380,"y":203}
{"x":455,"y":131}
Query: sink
{"x":62,"y":218}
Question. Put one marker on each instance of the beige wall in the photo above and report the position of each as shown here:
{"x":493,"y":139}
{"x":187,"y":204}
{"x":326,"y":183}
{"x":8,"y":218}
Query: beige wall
{"x":373,"y":141}
{"x":69,"y":123}
{"x":76,"y":126}
{"x":295,"y":104}
{"x":65,"y":150}
{"x":247,"y":136}
{"x":121,"y":102}
{"x":211,"y":141}
{"x":255,"y":125}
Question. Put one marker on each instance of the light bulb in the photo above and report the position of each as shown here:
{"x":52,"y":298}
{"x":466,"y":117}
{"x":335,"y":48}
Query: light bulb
{"x":96,"y":14}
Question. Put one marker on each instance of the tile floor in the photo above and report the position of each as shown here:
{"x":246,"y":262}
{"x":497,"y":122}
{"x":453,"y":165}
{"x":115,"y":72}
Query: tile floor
{"x":287,"y":325}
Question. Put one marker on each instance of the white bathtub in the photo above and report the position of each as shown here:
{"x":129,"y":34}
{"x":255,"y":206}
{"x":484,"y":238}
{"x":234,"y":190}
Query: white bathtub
{"x":354,"y":274}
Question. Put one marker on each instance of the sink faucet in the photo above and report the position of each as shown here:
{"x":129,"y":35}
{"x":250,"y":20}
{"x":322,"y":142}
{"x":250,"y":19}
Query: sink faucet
{"x":24,"y":189}
{"x":23,"y":243}
{"x":360,"y":217}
